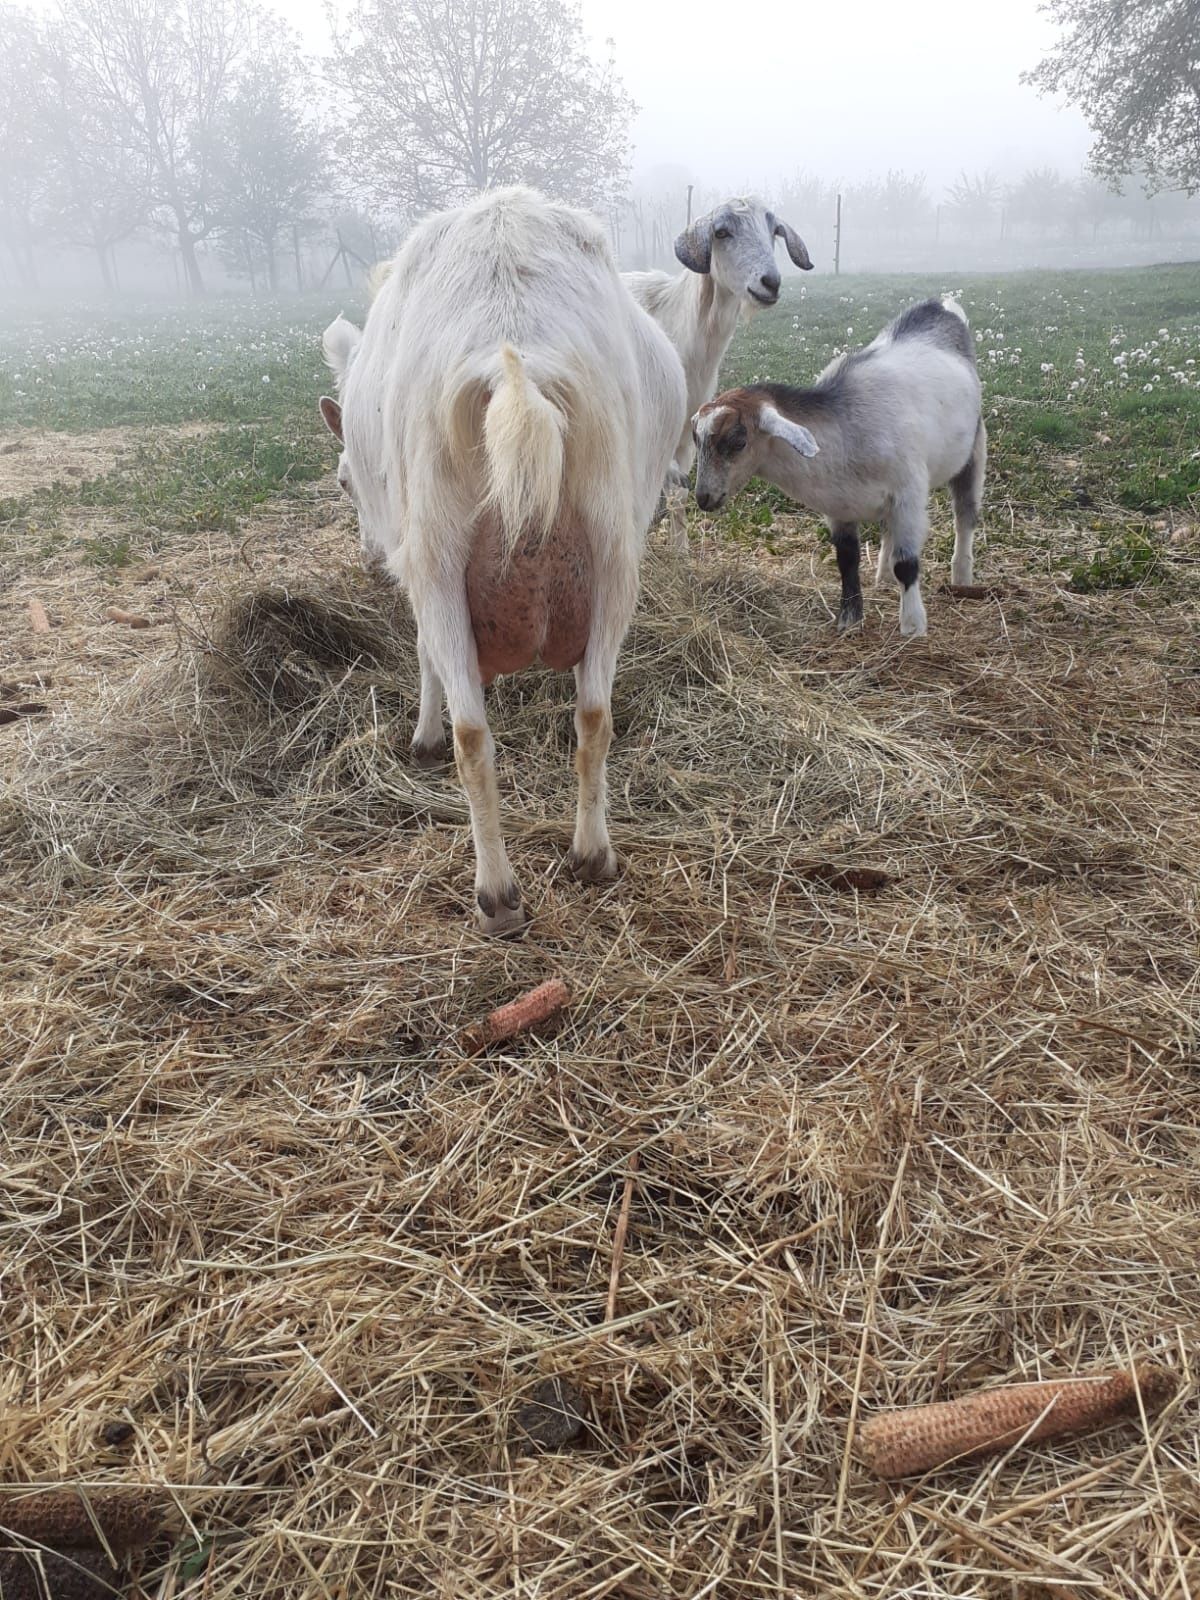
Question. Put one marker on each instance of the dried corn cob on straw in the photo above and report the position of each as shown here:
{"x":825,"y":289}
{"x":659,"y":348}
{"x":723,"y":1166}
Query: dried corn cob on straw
{"x":899,"y":1444}
{"x":130,"y":1515}
{"x":519,"y":1016}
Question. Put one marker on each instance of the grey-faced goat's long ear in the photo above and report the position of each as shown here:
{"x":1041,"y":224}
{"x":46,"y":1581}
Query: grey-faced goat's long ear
{"x":781,"y":427}
{"x":795,"y":244}
{"x":694,"y":245}
{"x":332,"y":413}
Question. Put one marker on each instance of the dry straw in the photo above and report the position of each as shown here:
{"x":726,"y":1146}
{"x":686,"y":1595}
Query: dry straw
{"x":891,"y":1146}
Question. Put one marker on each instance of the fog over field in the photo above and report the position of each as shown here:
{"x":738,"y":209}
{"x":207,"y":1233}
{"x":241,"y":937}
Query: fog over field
{"x":918,"y":118}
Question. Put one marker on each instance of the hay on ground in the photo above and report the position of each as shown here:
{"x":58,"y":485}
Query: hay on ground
{"x":267,"y":1226}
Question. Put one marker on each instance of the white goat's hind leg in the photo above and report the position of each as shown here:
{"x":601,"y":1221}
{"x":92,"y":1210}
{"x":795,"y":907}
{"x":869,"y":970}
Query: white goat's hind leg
{"x":967,"y":490}
{"x":908,"y":523}
{"x":445,"y":626}
{"x":592,"y":858}
{"x":429,"y":739}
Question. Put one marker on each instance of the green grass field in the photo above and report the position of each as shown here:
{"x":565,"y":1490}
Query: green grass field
{"x":1090,"y":381}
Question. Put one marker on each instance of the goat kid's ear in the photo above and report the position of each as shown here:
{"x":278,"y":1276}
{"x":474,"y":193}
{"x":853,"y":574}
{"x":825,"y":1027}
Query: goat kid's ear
{"x":694,"y":245}
{"x":332,"y":413}
{"x":795,"y":244}
{"x":781,"y":427}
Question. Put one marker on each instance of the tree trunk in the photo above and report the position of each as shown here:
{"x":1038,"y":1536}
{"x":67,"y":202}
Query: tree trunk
{"x":296,"y":253}
{"x":101,"y":250}
{"x":191,"y":266}
{"x":272,"y":266}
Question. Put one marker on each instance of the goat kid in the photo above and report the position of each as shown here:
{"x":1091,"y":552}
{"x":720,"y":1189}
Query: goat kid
{"x":507,"y":417}
{"x":877,"y":432}
{"x":729,"y":255}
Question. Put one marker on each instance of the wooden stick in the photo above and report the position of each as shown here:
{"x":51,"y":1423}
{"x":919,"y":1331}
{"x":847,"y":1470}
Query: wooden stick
{"x":900,"y":1444}
{"x":519,"y":1016}
{"x":38,"y":619}
{"x":129,"y":618}
{"x":622,"y":1230}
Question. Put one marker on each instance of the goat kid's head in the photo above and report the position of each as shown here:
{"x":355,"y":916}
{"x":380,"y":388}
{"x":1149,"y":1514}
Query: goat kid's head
{"x":733,"y":436}
{"x":735,"y":243}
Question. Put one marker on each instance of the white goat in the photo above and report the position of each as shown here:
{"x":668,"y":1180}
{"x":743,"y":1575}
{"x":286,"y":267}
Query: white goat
{"x":507,"y":417}
{"x":730,"y":259}
{"x":878,"y":431}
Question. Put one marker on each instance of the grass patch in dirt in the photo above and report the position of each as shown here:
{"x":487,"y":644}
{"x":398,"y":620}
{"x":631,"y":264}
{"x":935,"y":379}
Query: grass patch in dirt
{"x":159,"y":490}
{"x":892,"y":1145}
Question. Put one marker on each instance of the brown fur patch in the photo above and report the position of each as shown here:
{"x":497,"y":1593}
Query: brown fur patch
{"x":468,"y":741}
{"x":736,"y":408}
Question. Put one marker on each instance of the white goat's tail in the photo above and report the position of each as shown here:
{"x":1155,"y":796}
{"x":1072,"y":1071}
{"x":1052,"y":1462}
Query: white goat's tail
{"x":523,"y":441}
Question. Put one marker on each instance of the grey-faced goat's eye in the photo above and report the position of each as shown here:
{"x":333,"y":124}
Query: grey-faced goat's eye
{"x":720,"y":233}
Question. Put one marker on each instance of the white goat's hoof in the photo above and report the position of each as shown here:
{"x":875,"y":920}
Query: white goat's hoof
{"x":430,"y":755}
{"x":962,"y":577}
{"x":601,"y":866}
{"x":502,"y":916}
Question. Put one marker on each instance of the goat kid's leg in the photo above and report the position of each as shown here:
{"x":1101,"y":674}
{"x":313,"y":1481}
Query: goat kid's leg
{"x":967,"y":491}
{"x":429,"y":739}
{"x":849,"y":554}
{"x":907,"y":526}
{"x":883,"y":563}
{"x":445,"y":626}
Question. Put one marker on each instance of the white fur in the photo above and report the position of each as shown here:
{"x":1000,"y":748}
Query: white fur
{"x":339,"y":342}
{"x":781,"y":427}
{"x":699,"y":311}
{"x":503,"y":364}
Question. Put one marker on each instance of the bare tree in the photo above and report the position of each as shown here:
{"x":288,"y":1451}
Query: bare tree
{"x":448,"y":97}
{"x":1045,"y":199}
{"x":100,"y":183}
{"x":24,"y":174}
{"x":904,"y":204}
{"x":974,"y":200}
{"x":269,"y":157}
{"x":1131,"y":67}
{"x":158,"y":72}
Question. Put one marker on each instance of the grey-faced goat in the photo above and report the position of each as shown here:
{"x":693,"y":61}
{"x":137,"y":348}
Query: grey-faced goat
{"x":878,"y":431}
{"x":730,"y":258}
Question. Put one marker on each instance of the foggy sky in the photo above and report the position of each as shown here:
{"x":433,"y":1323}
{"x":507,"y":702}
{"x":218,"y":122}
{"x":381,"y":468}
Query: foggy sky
{"x":745,"y":93}
{"x":843,"y":88}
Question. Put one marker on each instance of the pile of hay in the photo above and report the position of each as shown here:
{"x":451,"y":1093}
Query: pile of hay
{"x":272,"y":1238}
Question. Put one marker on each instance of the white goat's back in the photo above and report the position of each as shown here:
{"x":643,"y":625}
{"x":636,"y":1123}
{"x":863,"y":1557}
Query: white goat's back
{"x":511,"y":304}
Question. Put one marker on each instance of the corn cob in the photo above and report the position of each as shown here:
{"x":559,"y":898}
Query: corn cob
{"x":899,"y":1444}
